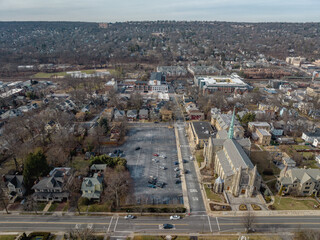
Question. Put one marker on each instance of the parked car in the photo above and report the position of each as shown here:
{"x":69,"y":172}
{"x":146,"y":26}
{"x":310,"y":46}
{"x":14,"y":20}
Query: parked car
{"x":176,"y":169}
{"x":163,"y":167}
{"x":178,"y":175}
{"x":152,"y":180}
{"x":160,"y":184}
{"x":167,"y":226}
{"x":152,"y":186}
{"x":185,"y":161}
{"x":163,"y":155}
{"x":175,"y":217}
{"x":155,"y":160}
{"x":186,"y":171}
{"x":176,"y":163}
{"x":130,"y":217}
{"x":138,"y":148}
{"x":156,"y":154}
{"x":178,"y":181}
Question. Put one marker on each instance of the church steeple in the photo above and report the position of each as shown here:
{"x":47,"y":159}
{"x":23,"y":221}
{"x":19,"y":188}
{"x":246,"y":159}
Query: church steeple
{"x":230,"y":133}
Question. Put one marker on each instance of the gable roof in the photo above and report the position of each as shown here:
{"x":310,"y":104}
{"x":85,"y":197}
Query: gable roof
{"x":15,"y":180}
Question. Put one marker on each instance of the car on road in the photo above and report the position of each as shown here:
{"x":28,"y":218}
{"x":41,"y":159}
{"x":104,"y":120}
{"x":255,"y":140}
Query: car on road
{"x":156,"y":154}
{"x":129,"y":217}
{"x":152,"y":186}
{"x":175,"y":217}
{"x":138,"y":148}
{"x":156,"y":122}
{"x":167,"y":226}
{"x":177,"y":169}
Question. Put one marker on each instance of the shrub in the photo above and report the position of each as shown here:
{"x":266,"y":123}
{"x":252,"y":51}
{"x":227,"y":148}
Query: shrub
{"x":271,"y":207}
{"x":268,"y":171}
{"x":255,"y":207}
{"x":243,"y":207}
{"x":84,"y":201}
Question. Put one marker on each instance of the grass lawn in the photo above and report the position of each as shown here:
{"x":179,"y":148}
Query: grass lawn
{"x":53,"y":207}
{"x":287,"y":203}
{"x":49,"y":75}
{"x":7,"y":237}
{"x":199,"y":157}
{"x":262,"y":160}
{"x":98,"y":208}
{"x":212,"y":196}
{"x":80,"y":164}
{"x":300,"y":147}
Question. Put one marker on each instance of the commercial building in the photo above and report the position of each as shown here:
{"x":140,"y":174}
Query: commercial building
{"x":199,"y":133}
{"x":226,"y":84}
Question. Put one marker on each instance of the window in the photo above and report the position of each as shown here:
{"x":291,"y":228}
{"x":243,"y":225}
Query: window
{"x":307,"y":188}
{"x":305,"y":192}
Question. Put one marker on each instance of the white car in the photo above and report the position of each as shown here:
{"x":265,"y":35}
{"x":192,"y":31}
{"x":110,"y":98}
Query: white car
{"x":175,"y":217}
{"x":129,"y":217}
{"x":176,"y":169}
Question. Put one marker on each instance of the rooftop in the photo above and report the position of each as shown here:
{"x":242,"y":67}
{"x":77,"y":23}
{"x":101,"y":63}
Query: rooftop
{"x":203,"y":129}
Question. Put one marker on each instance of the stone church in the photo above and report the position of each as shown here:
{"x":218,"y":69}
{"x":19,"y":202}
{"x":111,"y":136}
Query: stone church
{"x":231,"y":162}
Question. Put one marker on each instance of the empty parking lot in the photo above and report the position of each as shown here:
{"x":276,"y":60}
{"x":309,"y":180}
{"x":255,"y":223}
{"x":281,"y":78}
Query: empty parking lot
{"x":152,"y":139}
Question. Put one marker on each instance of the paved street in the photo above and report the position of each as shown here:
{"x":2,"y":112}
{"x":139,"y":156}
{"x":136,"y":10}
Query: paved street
{"x":117,"y":225}
{"x":193,"y":187}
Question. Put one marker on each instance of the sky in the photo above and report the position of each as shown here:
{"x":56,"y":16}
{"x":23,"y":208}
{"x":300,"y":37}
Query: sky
{"x":144,"y":10}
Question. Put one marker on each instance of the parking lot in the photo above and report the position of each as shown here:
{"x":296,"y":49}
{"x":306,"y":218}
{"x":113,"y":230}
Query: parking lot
{"x":143,"y":142}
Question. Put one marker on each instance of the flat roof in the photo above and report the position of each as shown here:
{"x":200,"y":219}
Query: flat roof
{"x":203,"y":129}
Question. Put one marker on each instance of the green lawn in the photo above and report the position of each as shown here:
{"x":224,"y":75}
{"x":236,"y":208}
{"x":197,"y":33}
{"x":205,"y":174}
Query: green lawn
{"x":7,"y":237}
{"x":199,"y":157}
{"x":53,"y":207}
{"x":80,"y":164}
{"x":49,"y":75}
{"x":288,"y":203}
{"x":300,"y":147}
{"x":212,"y":196}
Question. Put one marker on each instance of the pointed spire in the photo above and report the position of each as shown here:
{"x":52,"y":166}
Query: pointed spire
{"x":230,"y":133}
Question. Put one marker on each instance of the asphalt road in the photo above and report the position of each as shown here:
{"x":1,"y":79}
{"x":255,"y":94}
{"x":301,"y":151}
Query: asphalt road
{"x":193,"y":187}
{"x":117,"y":225}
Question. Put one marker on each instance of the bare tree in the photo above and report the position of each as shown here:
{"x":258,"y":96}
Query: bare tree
{"x":248,"y":221}
{"x":4,"y":201}
{"x":74,"y":188}
{"x":31,"y":204}
{"x":82,"y":233}
{"x":118,"y":182}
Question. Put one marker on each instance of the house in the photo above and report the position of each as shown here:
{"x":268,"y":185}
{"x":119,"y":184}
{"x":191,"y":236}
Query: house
{"x":119,"y":115}
{"x":15,"y":185}
{"x":166,"y":115}
{"x":92,"y":187}
{"x":262,"y":136}
{"x":52,"y":188}
{"x":223,"y":121}
{"x":290,"y":163}
{"x":132,"y":115}
{"x":196,"y":114}
{"x":95,"y":168}
{"x":199,"y":133}
{"x":108,"y":113}
{"x":311,"y":136}
{"x":318,"y":159}
{"x":253,"y":126}
{"x":143,"y":114}
{"x":298,"y":181}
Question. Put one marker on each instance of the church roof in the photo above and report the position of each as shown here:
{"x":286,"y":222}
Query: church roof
{"x":237,"y":155}
{"x":226,"y":167}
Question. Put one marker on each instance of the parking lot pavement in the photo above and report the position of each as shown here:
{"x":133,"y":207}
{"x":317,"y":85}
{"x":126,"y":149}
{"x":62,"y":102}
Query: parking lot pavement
{"x":152,"y":139}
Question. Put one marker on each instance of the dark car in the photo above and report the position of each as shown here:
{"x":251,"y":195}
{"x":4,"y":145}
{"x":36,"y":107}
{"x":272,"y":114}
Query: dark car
{"x":151,"y":186}
{"x":186,"y":171}
{"x":138,"y":148}
{"x":185,"y":161}
{"x":178,"y":181}
{"x":176,"y":163}
{"x":177,"y":175}
{"x":167,"y":226}
{"x":160,"y":184}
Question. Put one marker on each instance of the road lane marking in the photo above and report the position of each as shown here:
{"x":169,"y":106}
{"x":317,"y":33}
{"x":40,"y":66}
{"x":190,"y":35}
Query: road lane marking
{"x":110,"y":224}
{"x":209,"y":224}
{"x":218,"y":224}
{"x":115,"y":226}
{"x":193,"y":190}
{"x":156,"y":224}
{"x":55,"y":223}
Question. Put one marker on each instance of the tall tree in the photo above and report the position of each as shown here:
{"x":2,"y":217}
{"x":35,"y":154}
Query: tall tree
{"x":4,"y":201}
{"x":35,"y":166}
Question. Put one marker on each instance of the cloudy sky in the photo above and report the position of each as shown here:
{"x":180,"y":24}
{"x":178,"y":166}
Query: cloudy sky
{"x":139,"y":10}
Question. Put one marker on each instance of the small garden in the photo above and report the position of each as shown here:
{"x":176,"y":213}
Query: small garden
{"x":255,"y":207}
{"x":218,"y":207}
{"x":243,"y":207}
